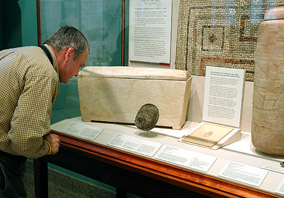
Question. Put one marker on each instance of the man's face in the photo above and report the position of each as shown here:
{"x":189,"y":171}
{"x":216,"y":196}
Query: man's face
{"x":71,"y":67}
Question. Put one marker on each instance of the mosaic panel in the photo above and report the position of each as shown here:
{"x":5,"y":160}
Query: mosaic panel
{"x":212,"y":38}
{"x":219,"y":33}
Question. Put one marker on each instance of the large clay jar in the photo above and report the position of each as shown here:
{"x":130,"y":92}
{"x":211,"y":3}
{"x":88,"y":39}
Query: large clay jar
{"x":268,"y":98}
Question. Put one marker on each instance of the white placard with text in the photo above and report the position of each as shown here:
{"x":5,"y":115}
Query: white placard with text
{"x":150,"y":30}
{"x":243,"y":173}
{"x":185,"y":158}
{"x":82,"y":130}
{"x":134,"y":144}
{"x":223,"y":95}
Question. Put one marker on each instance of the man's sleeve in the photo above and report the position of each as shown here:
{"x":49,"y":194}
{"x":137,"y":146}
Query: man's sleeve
{"x":31,"y":119}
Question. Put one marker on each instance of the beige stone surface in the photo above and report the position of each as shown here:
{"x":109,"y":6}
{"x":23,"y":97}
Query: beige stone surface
{"x":275,"y":14}
{"x":268,"y":99}
{"x":115,"y":94}
{"x":135,"y":73}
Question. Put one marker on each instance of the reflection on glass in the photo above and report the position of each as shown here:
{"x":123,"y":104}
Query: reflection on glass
{"x":99,"y":20}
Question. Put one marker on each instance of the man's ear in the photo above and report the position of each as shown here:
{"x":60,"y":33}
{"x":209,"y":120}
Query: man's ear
{"x":69,"y":54}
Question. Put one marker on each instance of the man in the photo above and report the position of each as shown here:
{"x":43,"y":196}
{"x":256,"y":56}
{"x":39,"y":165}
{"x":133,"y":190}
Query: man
{"x":29,"y":83}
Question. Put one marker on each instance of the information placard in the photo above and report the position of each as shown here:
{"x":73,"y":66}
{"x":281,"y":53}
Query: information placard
{"x":223,"y":95}
{"x":185,"y":158}
{"x":82,"y":130}
{"x":134,"y":144}
{"x":243,"y":173}
{"x":150,"y":31}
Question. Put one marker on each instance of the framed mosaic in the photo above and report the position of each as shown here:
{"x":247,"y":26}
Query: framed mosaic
{"x":219,"y":33}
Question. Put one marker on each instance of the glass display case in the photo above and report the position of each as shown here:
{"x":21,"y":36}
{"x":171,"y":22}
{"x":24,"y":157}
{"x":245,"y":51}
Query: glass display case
{"x":202,"y":33}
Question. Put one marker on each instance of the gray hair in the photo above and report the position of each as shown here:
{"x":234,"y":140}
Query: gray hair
{"x":68,"y":36}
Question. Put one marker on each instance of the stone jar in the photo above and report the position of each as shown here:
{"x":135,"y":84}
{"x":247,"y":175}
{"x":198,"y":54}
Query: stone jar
{"x":268,"y":99}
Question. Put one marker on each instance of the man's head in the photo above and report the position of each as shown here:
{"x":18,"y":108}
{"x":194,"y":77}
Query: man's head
{"x":71,"y":49}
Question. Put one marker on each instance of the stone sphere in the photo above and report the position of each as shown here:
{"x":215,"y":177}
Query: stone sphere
{"x":147,"y":117}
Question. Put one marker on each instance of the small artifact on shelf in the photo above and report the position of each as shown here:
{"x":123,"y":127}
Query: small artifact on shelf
{"x":147,"y":117}
{"x":208,"y":134}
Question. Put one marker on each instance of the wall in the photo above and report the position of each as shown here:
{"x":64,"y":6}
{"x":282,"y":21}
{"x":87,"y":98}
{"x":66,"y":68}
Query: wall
{"x":20,"y":28}
{"x":10,"y":24}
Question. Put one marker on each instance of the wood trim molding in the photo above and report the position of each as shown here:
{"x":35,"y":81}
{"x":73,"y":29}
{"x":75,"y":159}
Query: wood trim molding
{"x":38,"y":23}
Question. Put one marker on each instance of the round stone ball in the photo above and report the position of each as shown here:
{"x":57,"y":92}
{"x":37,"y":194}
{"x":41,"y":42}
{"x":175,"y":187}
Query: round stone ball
{"x":147,"y":117}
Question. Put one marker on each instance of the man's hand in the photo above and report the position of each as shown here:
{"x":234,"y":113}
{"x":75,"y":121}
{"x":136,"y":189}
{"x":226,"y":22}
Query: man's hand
{"x":54,"y":142}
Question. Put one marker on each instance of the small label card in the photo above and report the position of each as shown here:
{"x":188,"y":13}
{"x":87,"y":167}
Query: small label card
{"x":82,"y":130}
{"x":186,"y":158}
{"x":280,"y":188}
{"x":137,"y":145}
{"x":243,"y":173}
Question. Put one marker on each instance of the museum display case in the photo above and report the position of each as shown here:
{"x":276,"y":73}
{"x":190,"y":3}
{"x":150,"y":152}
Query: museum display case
{"x":202,"y":33}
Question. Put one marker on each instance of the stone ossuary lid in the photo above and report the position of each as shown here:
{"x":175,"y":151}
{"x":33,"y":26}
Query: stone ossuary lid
{"x":275,"y":13}
{"x":134,"y":73}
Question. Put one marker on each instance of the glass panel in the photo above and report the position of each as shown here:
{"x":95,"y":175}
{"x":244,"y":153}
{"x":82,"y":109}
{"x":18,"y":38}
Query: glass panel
{"x":100,"y":21}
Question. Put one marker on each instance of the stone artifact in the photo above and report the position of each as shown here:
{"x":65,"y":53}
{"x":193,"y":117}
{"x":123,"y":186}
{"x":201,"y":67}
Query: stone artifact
{"x":147,"y":117}
{"x":115,"y":94}
{"x":268,"y":98}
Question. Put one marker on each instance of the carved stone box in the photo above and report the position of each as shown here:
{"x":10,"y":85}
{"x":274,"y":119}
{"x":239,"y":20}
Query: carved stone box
{"x":115,"y":94}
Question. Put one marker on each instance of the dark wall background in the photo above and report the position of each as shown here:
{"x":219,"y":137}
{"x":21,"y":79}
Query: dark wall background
{"x":10,"y":25}
{"x":18,"y":23}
